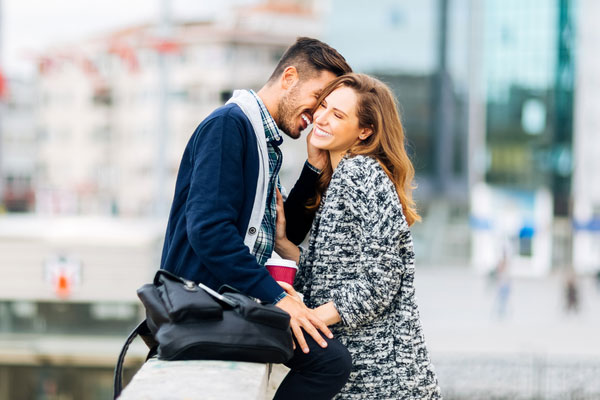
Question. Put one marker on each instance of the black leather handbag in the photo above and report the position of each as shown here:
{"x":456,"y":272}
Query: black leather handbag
{"x":188,"y":321}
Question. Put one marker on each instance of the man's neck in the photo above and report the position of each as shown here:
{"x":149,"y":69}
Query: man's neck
{"x":269,"y":99}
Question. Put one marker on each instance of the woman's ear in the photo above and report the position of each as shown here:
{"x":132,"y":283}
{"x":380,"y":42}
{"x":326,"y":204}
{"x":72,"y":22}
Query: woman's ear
{"x":366,"y":132}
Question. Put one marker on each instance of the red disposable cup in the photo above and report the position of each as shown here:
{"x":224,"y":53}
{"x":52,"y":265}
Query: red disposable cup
{"x":282,"y":270}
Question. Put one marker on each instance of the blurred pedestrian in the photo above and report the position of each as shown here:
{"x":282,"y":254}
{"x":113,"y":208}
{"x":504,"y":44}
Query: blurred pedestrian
{"x":503,"y":283}
{"x":571,"y":293}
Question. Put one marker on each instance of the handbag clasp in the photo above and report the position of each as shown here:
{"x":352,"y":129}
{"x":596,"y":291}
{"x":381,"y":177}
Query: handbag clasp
{"x":190,"y":286}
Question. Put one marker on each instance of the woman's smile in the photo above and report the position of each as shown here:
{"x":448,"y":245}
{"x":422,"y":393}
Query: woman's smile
{"x":320,"y":132}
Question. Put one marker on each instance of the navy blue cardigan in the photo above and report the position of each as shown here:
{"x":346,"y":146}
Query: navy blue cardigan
{"x":214,"y":195}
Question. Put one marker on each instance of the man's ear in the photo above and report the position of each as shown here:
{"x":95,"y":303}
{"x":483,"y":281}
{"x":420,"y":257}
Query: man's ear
{"x":366,"y":132}
{"x":289,"y":77}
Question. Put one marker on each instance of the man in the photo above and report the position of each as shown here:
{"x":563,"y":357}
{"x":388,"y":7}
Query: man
{"x":221,"y":227}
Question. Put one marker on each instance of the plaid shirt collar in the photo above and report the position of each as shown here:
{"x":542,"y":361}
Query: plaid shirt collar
{"x":271,"y":130}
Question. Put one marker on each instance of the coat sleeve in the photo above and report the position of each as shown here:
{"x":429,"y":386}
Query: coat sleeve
{"x":384,"y":250}
{"x":298,"y":218}
{"x":214,"y":206}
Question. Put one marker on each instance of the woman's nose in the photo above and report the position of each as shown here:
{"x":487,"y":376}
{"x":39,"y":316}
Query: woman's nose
{"x":319,"y":116}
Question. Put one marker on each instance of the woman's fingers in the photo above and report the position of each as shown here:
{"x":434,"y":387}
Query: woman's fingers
{"x":316,"y":157}
{"x":280,"y":203}
{"x":280,"y":218}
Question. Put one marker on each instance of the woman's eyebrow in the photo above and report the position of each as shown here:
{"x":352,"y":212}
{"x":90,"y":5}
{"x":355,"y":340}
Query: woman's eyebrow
{"x":340,"y":111}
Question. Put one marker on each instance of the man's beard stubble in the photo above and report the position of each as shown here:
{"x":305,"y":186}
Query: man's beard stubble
{"x":286,"y":110}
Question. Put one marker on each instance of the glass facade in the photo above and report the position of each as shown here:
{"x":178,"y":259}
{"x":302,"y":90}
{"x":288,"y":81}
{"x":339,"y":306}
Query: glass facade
{"x":420,"y":52}
{"x":529,"y":85}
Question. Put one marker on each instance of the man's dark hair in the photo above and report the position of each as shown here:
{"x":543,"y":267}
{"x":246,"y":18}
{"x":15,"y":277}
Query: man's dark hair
{"x":310,"y":57}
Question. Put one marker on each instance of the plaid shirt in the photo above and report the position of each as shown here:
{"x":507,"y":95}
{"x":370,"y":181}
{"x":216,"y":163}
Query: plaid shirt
{"x":265,"y":240}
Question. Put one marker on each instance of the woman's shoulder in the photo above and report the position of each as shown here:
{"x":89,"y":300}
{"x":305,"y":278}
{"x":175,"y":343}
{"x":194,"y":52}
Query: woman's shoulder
{"x":358,"y":165}
{"x":362,"y":170}
{"x":358,"y":161}
{"x":365,"y":177}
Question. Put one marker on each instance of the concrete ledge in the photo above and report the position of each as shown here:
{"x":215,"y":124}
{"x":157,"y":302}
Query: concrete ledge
{"x":208,"y":380}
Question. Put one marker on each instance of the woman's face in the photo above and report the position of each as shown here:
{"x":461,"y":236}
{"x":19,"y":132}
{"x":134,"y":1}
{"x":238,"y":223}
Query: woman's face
{"x":336,"y":123}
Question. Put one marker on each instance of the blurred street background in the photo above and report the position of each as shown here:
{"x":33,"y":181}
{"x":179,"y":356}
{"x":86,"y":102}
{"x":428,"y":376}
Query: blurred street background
{"x":500,"y":100}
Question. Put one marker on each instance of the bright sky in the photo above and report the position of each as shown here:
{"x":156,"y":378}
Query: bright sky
{"x":29,"y":26}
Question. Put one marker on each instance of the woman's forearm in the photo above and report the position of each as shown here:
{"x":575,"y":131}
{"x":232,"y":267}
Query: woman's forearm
{"x":328,"y":313}
{"x":287,"y":250}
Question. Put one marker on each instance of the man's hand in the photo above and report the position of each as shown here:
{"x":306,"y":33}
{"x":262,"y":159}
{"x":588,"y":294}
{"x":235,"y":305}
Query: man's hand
{"x":325,"y":312}
{"x":303,"y":317}
{"x":316,"y":157}
{"x":290,"y":290}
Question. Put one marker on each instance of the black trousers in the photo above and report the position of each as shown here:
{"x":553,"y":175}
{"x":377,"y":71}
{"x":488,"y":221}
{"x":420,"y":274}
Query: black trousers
{"x":318,"y":375}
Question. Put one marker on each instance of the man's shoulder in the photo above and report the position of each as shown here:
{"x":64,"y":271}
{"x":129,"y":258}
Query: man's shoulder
{"x":227,"y":118}
{"x":229,"y":113}
{"x":227,"y":125}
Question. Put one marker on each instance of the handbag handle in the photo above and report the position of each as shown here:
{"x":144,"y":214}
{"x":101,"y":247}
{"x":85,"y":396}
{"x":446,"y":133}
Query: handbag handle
{"x":118,"y":375}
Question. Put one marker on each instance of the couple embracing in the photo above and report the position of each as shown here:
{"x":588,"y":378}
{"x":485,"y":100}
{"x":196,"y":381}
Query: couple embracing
{"x":357,"y":330}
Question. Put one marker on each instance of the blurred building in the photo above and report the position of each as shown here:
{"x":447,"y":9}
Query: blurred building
{"x":421,"y":52}
{"x":487,"y":95}
{"x":17,"y":146}
{"x":586,"y":141}
{"x":523,"y":200}
{"x":67,"y":301}
{"x":116,"y":111}
{"x":107,"y":110}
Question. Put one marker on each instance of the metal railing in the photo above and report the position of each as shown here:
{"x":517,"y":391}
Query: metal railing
{"x":518,"y":377}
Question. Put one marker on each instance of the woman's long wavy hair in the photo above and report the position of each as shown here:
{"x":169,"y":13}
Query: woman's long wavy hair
{"x":377,"y":110}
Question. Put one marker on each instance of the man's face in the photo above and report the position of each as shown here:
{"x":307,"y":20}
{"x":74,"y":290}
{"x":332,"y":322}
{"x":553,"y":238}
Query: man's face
{"x":293,"y":112}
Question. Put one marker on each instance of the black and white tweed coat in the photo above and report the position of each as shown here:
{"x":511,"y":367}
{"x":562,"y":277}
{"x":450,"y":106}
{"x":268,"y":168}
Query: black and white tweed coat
{"x":360,"y":256}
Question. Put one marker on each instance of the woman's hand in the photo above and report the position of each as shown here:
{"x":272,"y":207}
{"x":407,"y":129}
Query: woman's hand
{"x":283,"y":246}
{"x":280,"y":225}
{"x":316,"y":157}
{"x":328,"y":313}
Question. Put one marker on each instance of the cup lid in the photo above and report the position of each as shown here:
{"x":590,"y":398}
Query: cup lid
{"x":281,"y":262}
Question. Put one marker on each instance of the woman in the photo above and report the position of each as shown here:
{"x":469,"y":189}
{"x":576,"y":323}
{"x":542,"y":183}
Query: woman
{"x":358,"y":269}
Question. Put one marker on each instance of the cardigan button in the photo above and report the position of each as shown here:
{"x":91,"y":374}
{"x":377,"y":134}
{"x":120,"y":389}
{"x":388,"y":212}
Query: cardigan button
{"x":252,"y":230}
